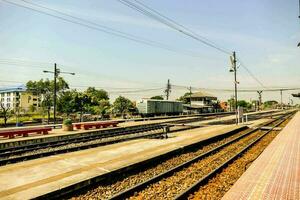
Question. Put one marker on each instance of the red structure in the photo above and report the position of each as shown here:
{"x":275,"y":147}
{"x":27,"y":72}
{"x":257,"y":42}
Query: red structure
{"x":97,"y":125}
{"x":11,"y":133}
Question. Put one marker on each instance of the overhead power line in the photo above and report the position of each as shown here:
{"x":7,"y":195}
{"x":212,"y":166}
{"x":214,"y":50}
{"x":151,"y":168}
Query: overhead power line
{"x":154,"y":14}
{"x":251,"y":74}
{"x":98,"y":27}
{"x":140,"y":7}
{"x":110,"y":89}
{"x":23,"y":63}
{"x":240,"y":90}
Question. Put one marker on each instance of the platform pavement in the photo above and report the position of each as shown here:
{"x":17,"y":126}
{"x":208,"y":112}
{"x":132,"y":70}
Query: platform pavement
{"x":33,"y":178}
{"x":60,"y":133}
{"x":275,"y":174}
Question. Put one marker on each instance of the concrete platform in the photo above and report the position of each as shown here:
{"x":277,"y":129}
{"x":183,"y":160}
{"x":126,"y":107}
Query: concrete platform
{"x":275,"y":174}
{"x":59,"y":134}
{"x":37,"y":177}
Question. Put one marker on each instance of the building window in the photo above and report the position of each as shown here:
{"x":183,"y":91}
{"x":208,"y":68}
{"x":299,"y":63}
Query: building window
{"x":8,"y":94}
{"x":8,"y":99}
{"x":2,"y":95}
{"x":8,"y":105}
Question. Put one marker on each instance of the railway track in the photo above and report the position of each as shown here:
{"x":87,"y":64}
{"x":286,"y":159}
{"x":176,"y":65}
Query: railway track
{"x":145,"y":183}
{"x":177,"y":182}
{"x":228,"y":159}
{"x":221,"y":183}
{"x":106,"y":137}
{"x":38,"y":150}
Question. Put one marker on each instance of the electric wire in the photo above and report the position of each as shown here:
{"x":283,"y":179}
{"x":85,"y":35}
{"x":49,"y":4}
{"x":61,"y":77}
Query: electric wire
{"x":251,"y":74}
{"x":101,"y":28}
{"x":154,"y":14}
{"x":240,"y":90}
{"x":150,"y":12}
{"x":158,"y":17}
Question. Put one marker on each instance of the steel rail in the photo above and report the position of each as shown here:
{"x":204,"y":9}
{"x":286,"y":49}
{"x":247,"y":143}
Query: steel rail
{"x":127,"y":193}
{"x":140,"y":131}
{"x":68,"y":191}
{"x":104,"y":133}
{"x":205,"y":179}
{"x":72,"y":149}
{"x":112,"y":133}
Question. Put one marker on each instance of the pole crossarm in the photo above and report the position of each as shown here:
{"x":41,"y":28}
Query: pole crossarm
{"x":56,"y":73}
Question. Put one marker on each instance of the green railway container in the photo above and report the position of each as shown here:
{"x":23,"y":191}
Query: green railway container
{"x":157,"y":107}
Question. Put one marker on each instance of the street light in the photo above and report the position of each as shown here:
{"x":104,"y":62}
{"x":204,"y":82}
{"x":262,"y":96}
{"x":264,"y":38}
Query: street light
{"x":56,"y":72}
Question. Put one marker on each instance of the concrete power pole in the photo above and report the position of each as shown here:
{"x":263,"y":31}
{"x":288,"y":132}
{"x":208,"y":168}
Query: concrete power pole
{"x":259,"y":99}
{"x":234,"y":69}
{"x":299,"y":18}
{"x":56,"y":73}
{"x":281,"y":103}
{"x":190,"y":90}
{"x":168,"y":89}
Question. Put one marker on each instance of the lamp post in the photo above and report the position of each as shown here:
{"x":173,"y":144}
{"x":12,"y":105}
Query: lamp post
{"x":56,"y":73}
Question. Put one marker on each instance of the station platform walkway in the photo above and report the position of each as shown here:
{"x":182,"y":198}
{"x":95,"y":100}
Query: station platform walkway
{"x":58,"y":134}
{"x":275,"y":174}
{"x":34,"y":178}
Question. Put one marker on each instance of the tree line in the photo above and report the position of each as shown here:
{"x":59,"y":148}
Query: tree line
{"x":71,"y":102}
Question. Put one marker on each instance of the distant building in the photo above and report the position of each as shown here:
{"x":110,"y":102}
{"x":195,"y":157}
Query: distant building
{"x":200,"y":102}
{"x":18,"y":97}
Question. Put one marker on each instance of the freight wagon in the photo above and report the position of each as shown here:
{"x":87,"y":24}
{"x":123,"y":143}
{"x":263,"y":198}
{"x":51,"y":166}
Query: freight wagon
{"x":153,"y":107}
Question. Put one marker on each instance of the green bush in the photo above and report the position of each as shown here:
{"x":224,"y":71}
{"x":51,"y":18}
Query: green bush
{"x":67,"y":122}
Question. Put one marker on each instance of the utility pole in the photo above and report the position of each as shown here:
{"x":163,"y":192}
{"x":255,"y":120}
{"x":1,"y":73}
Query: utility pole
{"x":259,"y":99}
{"x":168,"y":89}
{"x":281,"y":99}
{"x":299,"y":18}
{"x":234,"y":69}
{"x":56,"y":73}
{"x":190,"y":89}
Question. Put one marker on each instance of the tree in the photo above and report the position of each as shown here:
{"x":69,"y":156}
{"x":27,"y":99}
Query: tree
{"x":5,"y":113}
{"x":66,"y":103}
{"x":270,"y":104}
{"x":122,"y":105}
{"x":157,"y":97}
{"x":99,"y":103}
{"x":82,"y":102}
{"x":103,"y":108}
{"x":184,"y":98}
{"x":44,"y":89}
{"x":240,"y":103}
{"x":96,"y":95}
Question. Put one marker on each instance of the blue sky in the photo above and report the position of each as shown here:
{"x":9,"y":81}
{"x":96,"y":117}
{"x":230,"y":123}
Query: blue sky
{"x":264,"y":33}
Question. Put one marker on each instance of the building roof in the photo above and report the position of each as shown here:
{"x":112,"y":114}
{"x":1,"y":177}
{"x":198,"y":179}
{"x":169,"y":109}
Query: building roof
{"x":196,"y":106}
{"x":20,"y":88}
{"x":149,"y":99}
{"x":202,"y":94}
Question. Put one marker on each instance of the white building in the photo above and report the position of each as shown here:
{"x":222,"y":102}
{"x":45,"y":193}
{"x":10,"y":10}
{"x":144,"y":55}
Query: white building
{"x":17,"y":97}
